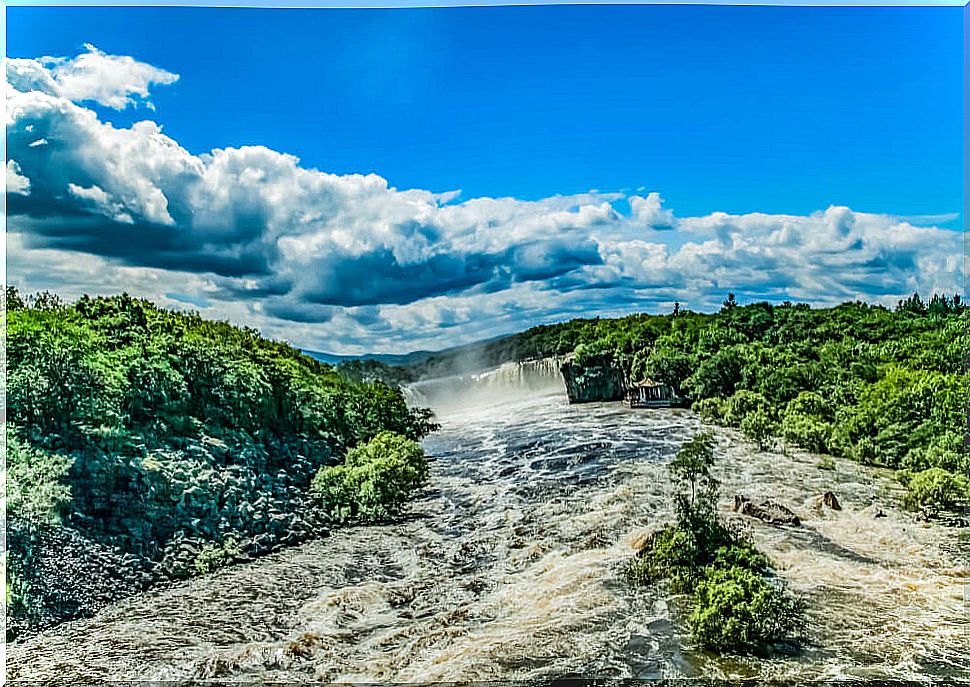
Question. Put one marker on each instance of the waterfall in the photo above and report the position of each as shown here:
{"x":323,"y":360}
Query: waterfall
{"x":514,"y":379}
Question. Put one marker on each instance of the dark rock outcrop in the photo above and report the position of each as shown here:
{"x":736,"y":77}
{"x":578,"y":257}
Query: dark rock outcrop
{"x":594,"y":379}
{"x":767,"y":511}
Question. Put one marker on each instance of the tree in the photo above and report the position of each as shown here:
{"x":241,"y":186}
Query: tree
{"x":696,"y":500}
{"x":759,"y":427}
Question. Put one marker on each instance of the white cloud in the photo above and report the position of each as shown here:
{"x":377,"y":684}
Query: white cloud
{"x":16,"y":183}
{"x":110,"y":80}
{"x":349,"y":263}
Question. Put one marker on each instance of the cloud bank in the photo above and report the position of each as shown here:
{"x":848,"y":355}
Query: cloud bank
{"x":348,"y":263}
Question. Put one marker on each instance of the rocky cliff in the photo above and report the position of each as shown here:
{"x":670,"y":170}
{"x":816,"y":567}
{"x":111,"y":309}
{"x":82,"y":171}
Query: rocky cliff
{"x":593,"y":379}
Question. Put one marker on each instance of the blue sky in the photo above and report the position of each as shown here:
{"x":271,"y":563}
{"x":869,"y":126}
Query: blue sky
{"x":737,"y":109}
{"x":797,"y":114}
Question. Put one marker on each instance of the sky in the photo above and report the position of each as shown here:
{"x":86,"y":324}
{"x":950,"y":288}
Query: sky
{"x":359,"y":181}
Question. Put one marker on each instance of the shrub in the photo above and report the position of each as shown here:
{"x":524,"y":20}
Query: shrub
{"x":215,"y":556}
{"x":744,"y":403}
{"x":738,"y":610}
{"x":35,"y":481}
{"x":734,"y":608}
{"x":759,"y":428}
{"x":375,"y":480}
{"x":669,"y":553}
{"x":811,"y":404}
{"x":710,"y":408}
{"x":867,"y":452}
{"x":945,"y":451}
{"x":742,"y":554}
{"x":934,"y":488}
{"x":806,"y":431}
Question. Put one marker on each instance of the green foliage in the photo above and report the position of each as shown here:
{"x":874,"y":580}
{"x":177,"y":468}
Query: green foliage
{"x":742,"y":404}
{"x":36,"y":482}
{"x":670,"y":554}
{"x":215,"y":556}
{"x":717,"y":375}
{"x":946,"y":451}
{"x":805,"y":431}
{"x":733,"y":606}
{"x":935,"y":489}
{"x":740,"y":553}
{"x":810,"y":404}
{"x":122,"y":363}
{"x":375,"y":480}
{"x":759,"y":427}
{"x":867,"y":452}
{"x":710,"y":408}
{"x":737,"y":610}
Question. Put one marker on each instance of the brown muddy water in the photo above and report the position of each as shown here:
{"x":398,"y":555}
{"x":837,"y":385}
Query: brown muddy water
{"x":509,"y":567}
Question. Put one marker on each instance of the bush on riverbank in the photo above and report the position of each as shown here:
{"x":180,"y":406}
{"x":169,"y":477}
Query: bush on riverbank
{"x":733,"y":603}
{"x":935,"y":489}
{"x":215,"y":556}
{"x":375,"y":480}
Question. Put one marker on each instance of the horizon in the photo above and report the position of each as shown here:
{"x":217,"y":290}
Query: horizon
{"x":352,"y":181}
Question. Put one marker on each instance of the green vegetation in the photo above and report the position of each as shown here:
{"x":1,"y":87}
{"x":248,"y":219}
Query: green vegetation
{"x":375,"y":371}
{"x":215,"y":556}
{"x":150,"y":432}
{"x":885,"y":387}
{"x":934,"y":488}
{"x":733,"y":604}
{"x":36,"y":487}
{"x":374,"y":481}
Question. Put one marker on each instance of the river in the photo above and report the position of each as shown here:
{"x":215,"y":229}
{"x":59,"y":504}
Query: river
{"x":509,"y":567}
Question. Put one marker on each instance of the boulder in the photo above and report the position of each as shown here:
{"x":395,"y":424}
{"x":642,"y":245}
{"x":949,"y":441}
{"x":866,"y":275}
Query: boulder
{"x":827,"y":499}
{"x":767,"y":511}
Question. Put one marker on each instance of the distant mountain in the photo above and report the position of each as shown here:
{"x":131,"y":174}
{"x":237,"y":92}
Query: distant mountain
{"x":413,"y":359}
{"x":401,"y":360}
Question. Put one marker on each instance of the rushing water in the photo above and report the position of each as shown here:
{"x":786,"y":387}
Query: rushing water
{"x":510,"y":567}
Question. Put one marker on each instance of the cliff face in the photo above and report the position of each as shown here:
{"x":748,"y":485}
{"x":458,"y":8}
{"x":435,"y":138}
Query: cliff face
{"x":141,"y":520}
{"x":596,"y":379}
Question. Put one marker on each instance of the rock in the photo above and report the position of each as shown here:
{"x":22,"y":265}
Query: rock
{"x":767,"y":511}
{"x":827,"y":499}
{"x":642,"y":541}
{"x":596,"y":380}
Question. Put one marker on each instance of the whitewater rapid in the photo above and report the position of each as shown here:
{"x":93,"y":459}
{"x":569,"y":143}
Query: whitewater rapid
{"x":509,"y":567}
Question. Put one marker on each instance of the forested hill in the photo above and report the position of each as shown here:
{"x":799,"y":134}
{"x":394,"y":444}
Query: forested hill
{"x":884,"y":386}
{"x":139,"y":439}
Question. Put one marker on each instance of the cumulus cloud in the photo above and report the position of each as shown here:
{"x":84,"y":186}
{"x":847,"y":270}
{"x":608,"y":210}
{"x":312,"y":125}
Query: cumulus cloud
{"x":16,"y":182}
{"x":349,"y":263}
{"x":111,"y":80}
